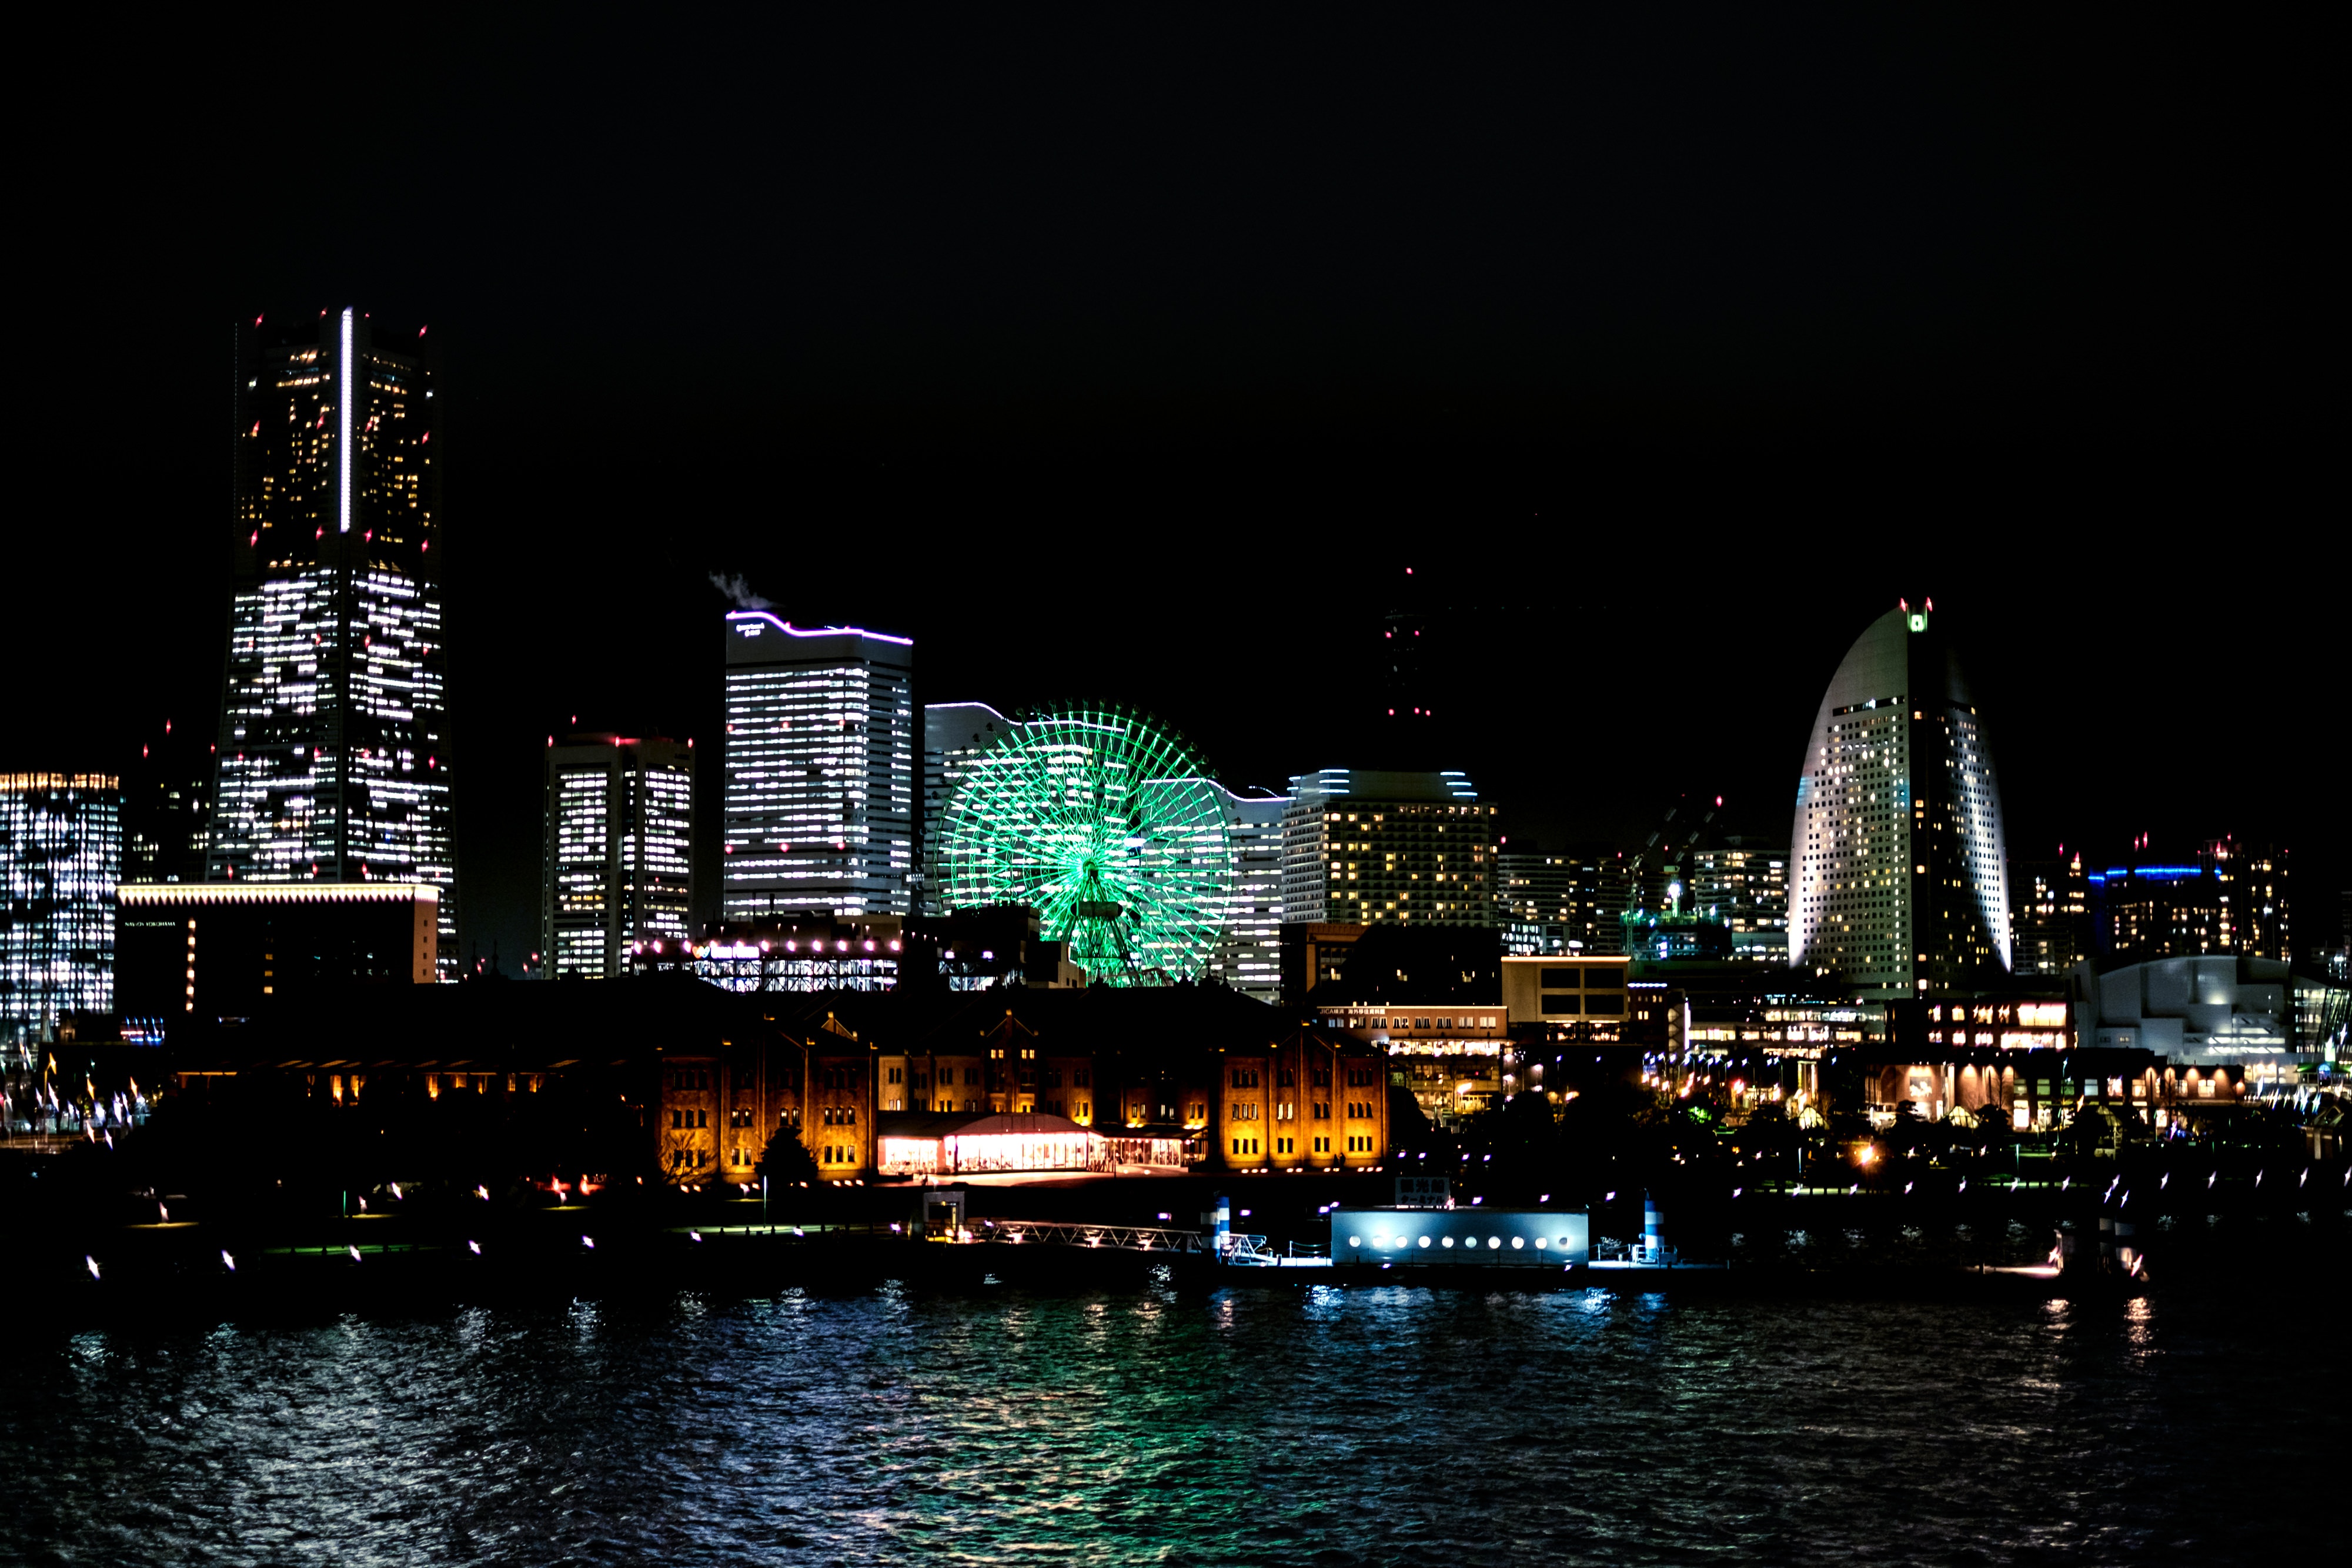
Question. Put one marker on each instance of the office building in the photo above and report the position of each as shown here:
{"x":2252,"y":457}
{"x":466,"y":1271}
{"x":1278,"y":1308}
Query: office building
{"x":60,"y":858}
{"x":1899,"y":877}
{"x":332,"y":757}
{"x":2227,"y":898}
{"x":1388,"y":849}
{"x":2050,"y":915}
{"x":1248,"y":956}
{"x":619,"y":852}
{"x":819,"y":771}
{"x":201,"y":952}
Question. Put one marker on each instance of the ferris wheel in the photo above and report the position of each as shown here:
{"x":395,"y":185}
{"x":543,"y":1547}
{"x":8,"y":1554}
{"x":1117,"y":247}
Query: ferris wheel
{"x":1106,"y":823}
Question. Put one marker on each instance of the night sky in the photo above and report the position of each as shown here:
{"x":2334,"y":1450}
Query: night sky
{"x":1137,"y":360}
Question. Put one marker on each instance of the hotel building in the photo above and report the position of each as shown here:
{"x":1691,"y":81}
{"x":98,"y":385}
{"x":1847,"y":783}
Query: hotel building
{"x":1899,"y":877}
{"x":1388,"y":849}
{"x":60,"y":858}
{"x":332,"y":760}
{"x":819,"y":771}
{"x":619,"y":852}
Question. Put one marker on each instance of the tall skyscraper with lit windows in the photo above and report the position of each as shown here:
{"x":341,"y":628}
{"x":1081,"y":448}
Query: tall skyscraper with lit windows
{"x":333,"y":760}
{"x":1898,"y":878}
{"x":820,"y":770}
{"x":619,"y":855}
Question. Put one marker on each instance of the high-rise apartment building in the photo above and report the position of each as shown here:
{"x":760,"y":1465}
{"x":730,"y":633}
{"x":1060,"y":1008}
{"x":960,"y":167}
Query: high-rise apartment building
{"x":953,"y":734}
{"x":1899,"y":882}
{"x":1388,"y":849}
{"x":333,"y":760}
{"x":619,"y":854}
{"x":60,"y":858}
{"x":2050,"y":915}
{"x":1745,"y":886}
{"x":819,"y":771}
{"x":1248,"y":957}
{"x":2228,"y":898}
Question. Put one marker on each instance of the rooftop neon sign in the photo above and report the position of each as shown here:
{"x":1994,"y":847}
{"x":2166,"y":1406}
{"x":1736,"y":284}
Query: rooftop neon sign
{"x":789,"y":630}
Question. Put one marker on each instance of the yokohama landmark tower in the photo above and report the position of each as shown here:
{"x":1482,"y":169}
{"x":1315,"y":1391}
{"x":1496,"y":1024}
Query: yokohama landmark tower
{"x":1898,"y":874}
{"x":334,"y":760}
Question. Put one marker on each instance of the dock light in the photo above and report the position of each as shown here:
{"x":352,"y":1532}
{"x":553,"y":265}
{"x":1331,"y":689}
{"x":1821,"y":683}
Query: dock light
{"x":227,"y":1262}
{"x":1964,"y":1184}
{"x":395,"y":1192}
{"x":1855,"y":1188}
{"x":589,"y":1242}
{"x":697,"y":1235}
{"x":2209,"y":1180}
{"x":91,"y":1264}
{"x":1907,"y":1186}
{"x":354,"y":1252}
{"x":163,"y":1211}
{"x":474,"y":1248}
{"x":2258,"y":1178}
{"x":2303,"y":1178}
{"x":1734,"y":1192}
{"x":483,"y":1193}
{"x":1610,"y":1198}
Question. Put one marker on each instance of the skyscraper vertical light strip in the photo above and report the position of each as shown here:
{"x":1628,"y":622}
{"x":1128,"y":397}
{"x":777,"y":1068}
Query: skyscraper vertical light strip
{"x":343,"y":425}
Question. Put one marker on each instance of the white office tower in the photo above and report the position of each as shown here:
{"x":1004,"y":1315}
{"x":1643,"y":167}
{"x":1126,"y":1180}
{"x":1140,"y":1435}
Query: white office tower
{"x":1899,"y":876}
{"x":819,"y":771}
{"x":619,"y":855}
{"x":953,"y":734}
{"x":333,"y":758}
{"x":1248,"y":957}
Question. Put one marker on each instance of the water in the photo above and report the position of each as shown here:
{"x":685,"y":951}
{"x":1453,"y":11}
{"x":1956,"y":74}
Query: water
{"x":1273,"y":1426}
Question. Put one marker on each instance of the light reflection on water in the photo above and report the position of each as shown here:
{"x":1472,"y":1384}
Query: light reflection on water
{"x":1289,"y":1426}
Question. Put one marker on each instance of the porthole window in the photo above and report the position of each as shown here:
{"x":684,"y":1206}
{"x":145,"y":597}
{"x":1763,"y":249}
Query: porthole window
{"x":1424,"y":1241}
{"x":1517,"y":1243}
{"x":1355,"y":1241}
{"x":1495,"y":1241}
{"x":1541,"y":1244}
{"x":1449,"y":1241}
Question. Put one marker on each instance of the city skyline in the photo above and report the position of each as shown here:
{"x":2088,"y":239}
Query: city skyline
{"x":1924,"y":365}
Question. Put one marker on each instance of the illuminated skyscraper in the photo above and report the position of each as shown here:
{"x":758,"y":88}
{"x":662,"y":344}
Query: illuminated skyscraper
{"x":619,"y":855}
{"x":60,"y":858}
{"x":333,"y":750}
{"x":1899,"y":879}
{"x":820,"y":770}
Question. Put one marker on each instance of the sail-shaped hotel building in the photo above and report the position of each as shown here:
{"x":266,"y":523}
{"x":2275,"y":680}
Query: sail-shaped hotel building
{"x":1898,"y":871}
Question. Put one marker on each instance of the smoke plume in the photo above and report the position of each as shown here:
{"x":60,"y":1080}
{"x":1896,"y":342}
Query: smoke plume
{"x":738,"y":590}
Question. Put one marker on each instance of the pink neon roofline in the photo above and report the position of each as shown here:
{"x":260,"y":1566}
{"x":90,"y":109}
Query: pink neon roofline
{"x":789,"y":630}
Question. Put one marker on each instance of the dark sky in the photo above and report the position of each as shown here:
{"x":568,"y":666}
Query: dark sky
{"x":1118,"y":358}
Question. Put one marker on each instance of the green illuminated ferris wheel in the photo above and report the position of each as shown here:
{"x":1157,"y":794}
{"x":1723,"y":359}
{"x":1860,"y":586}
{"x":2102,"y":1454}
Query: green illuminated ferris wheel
{"x":1108,"y":825}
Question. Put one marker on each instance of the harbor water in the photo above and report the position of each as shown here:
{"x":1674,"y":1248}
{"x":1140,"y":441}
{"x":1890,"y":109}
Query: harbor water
{"x":1147,"y":1423}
